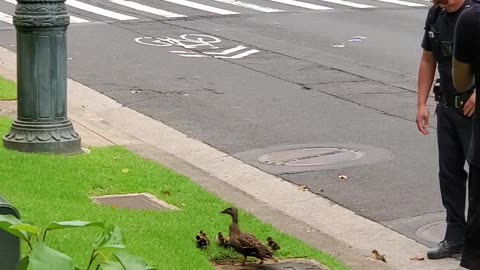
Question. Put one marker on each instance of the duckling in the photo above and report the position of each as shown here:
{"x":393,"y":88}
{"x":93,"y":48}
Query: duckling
{"x":244,"y":243}
{"x":204,"y":236}
{"x":201,"y":242}
{"x":221,"y":240}
{"x":378,"y":256}
{"x":272,"y":244}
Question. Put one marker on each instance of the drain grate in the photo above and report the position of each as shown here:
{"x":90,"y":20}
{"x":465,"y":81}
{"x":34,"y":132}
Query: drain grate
{"x":314,"y":156}
{"x":139,"y":201}
{"x":433,"y":232}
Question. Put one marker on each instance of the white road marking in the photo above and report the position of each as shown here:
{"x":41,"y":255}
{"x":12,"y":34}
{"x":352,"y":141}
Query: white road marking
{"x":73,"y":19}
{"x":98,"y":10}
{"x":403,"y":3}
{"x":249,"y":6}
{"x":202,"y":7}
{"x":348,"y":3}
{"x":240,"y":55}
{"x":225,"y":52}
{"x":301,"y":4}
{"x":6,"y":18}
{"x":148,"y":9}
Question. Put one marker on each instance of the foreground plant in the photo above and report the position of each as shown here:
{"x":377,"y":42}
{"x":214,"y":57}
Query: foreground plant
{"x":105,"y":254}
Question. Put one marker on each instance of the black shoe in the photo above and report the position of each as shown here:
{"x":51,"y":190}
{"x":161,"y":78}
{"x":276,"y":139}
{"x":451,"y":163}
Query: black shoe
{"x":445,"y":249}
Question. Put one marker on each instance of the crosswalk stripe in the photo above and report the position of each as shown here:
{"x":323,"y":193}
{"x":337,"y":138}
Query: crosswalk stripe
{"x":348,"y":3}
{"x":202,"y":7}
{"x":403,"y":3}
{"x":73,"y":19}
{"x":301,"y":4}
{"x":148,"y":9}
{"x":249,"y":5}
{"x":99,"y":11}
{"x":6,"y":18}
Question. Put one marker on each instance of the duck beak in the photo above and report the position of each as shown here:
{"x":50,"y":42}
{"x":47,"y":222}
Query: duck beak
{"x":224,"y":211}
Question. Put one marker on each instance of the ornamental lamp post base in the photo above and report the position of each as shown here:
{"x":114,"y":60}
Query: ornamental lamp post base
{"x":42,"y":125}
{"x":55,"y":138}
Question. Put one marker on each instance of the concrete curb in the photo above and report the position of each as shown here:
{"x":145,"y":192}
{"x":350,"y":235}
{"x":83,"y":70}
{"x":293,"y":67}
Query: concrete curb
{"x":311,"y":218}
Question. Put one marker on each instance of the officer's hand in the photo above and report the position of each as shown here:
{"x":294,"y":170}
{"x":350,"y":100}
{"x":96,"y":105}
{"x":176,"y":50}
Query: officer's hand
{"x":469,"y":106}
{"x":422,"y":119}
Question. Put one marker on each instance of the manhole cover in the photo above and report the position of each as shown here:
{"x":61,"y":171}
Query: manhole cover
{"x":314,"y":156}
{"x":143,"y":201}
{"x":433,"y":232}
{"x":283,"y":265}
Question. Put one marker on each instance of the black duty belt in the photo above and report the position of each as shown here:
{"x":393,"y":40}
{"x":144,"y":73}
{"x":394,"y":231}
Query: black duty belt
{"x":456,"y":101}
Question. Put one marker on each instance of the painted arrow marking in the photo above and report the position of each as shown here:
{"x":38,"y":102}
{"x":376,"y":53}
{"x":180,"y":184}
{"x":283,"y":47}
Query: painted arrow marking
{"x":223,"y":54}
{"x":238,"y":56}
{"x":226,"y":54}
{"x":232,"y":50}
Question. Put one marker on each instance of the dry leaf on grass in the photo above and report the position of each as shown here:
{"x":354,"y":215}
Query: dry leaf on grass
{"x":125,"y":170}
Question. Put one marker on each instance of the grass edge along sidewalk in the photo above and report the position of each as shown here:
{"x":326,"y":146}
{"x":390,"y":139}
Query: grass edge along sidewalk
{"x":53,"y":188}
{"x":8,"y":89}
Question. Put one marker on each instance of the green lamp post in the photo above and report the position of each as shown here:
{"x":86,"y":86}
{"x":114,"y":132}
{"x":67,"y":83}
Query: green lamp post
{"x":42,"y":124}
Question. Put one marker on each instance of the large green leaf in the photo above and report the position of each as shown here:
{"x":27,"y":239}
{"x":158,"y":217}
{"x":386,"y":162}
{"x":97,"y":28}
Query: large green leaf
{"x":23,"y":264}
{"x":43,"y":257}
{"x":73,"y":224}
{"x":111,"y":239}
{"x":6,"y":221}
{"x":111,"y":266}
{"x":29,"y":228}
{"x":130,"y":262}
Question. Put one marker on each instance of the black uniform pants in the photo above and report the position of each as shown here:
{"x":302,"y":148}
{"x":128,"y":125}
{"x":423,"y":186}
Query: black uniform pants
{"x":471,"y":251}
{"x":454,"y":132}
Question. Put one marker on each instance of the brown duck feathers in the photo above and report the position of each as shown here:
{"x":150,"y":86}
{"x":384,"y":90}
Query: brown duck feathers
{"x":244,"y":243}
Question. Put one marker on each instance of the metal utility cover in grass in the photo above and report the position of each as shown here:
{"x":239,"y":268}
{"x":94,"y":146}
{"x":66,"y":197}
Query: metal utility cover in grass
{"x":139,"y":201}
{"x":282,"y":265}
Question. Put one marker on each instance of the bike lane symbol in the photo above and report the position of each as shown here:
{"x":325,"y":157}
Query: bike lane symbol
{"x":195,"y":41}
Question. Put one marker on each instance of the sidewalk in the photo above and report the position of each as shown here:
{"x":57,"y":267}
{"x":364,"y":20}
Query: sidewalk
{"x":101,"y":121}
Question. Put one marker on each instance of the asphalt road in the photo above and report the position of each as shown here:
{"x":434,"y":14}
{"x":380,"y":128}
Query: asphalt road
{"x":334,"y":74}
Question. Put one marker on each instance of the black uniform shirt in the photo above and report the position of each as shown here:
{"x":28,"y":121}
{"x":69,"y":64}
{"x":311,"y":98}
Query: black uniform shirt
{"x":442,"y":24}
{"x":466,"y":50}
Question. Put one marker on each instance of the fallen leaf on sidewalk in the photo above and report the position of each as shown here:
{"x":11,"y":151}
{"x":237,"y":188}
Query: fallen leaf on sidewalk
{"x":378,"y":257}
{"x":343,"y":177}
{"x":125,"y":170}
{"x":417,"y":258}
{"x":303,"y":188}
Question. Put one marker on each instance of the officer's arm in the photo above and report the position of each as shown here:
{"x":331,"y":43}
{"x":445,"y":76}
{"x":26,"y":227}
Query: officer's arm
{"x":426,"y":73}
{"x":462,"y":75}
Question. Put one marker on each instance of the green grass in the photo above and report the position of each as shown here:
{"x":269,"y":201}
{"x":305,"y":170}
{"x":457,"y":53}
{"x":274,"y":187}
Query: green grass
{"x":8,"y":89}
{"x":55,"y":188}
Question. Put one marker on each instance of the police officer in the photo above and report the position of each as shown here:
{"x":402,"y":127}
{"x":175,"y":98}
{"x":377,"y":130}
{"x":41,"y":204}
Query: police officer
{"x":454,"y":111}
{"x":466,"y":64}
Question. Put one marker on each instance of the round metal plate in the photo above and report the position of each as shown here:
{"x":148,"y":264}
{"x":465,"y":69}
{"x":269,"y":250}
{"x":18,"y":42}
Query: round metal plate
{"x":314,"y":156}
{"x":433,"y":232}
